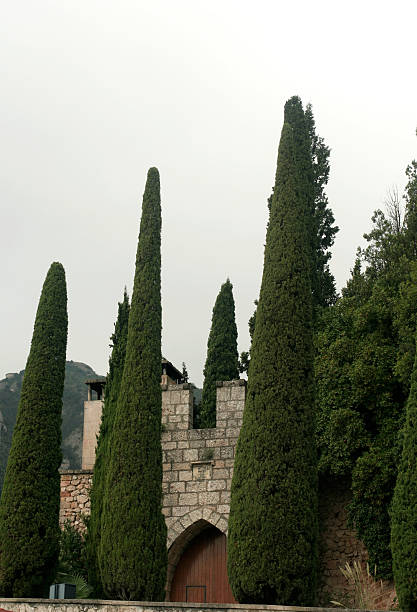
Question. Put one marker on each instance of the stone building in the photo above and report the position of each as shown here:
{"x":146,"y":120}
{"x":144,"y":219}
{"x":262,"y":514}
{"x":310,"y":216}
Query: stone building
{"x":197,"y":474}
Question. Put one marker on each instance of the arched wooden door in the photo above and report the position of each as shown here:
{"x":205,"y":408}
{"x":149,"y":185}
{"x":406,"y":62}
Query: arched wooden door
{"x":201,"y":573}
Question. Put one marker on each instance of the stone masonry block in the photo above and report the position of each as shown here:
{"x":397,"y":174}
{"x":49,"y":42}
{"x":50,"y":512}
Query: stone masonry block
{"x":197,"y":443}
{"x":196,"y":487}
{"x":177,"y":487}
{"x":219,"y":473}
{"x":181,"y":466}
{"x":182,"y":409}
{"x":187,"y":499}
{"x":232,"y":432}
{"x":169,"y":445}
{"x":174,"y":455}
{"x":180,"y":510}
{"x":207,"y":513}
{"x":179,"y":435}
{"x":226,"y":453}
{"x":216,"y":485}
{"x":225,"y":497}
{"x":215,"y":518}
{"x":208,"y":499}
{"x":171,"y":499}
{"x":195,"y":515}
{"x":223,"y":395}
{"x":190,"y":454}
{"x":185,"y":475}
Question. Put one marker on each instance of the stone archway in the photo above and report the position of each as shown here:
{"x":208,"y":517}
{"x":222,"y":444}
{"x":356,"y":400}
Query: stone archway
{"x":183,"y":523}
{"x":184,"y":531}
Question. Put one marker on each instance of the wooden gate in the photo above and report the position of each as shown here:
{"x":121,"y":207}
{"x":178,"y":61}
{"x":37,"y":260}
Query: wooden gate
{"x":201,"y":574}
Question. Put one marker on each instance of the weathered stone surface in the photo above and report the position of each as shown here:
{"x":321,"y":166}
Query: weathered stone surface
{"x":94,"y":605}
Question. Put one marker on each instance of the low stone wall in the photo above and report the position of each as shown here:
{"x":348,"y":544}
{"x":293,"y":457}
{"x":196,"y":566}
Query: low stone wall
{"x":339,"y":545}
{"x":75,"y":497}
{"x":87,"y":605}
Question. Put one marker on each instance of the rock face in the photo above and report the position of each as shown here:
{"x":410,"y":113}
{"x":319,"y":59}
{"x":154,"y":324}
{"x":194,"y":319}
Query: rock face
{"x":72,"y":413}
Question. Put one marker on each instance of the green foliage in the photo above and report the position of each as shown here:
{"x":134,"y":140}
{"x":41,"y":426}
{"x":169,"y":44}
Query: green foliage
{"x":404,"y":527}
{"x":272,"y":543}
{"x":312,"y":158}
{"x":114,"y":378}
{"x":72,"y":559}
{"x":132,"y":553}
{"x":29,"y":505}
{"x":405,"y":323}
{"x":366,"y":343}
{"x":358,"y":416}
{"x":82,"y":589}
{"x":222,"y":358}
{"x":323,"y":217}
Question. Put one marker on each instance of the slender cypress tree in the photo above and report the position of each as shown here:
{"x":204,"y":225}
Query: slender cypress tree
{"x":272,"y":544}
{"x":29,"y":506}
{"x":295,"y":117}
{"x":132,"y":553}
{"x":114,"y":377}
{"x":222,"y":357}
{"x":403,"y":509}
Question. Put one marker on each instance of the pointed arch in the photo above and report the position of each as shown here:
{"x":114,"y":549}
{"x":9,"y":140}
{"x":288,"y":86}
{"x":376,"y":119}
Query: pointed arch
{"x":185,"y":529}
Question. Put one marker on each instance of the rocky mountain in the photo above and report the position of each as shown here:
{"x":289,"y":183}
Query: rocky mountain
{"x":75,"y":392}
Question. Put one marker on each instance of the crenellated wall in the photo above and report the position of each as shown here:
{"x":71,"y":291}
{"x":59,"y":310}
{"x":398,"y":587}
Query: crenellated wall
{"x":197,"y":463}
{"x":197,"y":475}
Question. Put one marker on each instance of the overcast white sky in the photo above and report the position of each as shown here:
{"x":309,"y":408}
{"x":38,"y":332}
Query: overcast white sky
{"x":94,"y":92}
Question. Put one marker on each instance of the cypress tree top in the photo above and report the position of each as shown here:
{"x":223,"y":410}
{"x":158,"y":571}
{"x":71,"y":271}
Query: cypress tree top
{"x":272,"y":548}
{"x":132,"y":554}
{"x":29,"y":506}
{"x":222,"y":356}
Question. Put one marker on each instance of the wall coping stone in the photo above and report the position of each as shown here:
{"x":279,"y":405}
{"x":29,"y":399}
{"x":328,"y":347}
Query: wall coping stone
{"x":75,"y":472}
{"x":178,"y":387}
{"x":83,"y":604}
{"x":241,"y":382}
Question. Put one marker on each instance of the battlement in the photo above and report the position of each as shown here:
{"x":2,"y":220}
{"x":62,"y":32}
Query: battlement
{"x":177,"y":405}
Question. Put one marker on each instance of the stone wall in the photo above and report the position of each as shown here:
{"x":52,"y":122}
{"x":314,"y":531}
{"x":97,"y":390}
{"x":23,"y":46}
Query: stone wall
{"x":339,"y":545}
{"x":197,"y":475}
{"x":75,"y":496}
{"x":85,"y":605}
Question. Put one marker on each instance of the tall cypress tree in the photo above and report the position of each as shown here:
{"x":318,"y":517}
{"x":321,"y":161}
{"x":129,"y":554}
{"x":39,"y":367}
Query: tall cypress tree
{"x":114,"y":377}
{"x":272,"y":544}
{"x":312,"y":158}
{"x":29,"y":506}
{"x":222,"y":357}
{"x":403,"y":509}
{"x":132,"y":553}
